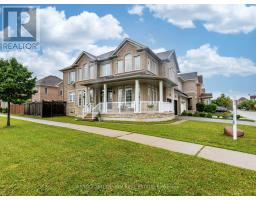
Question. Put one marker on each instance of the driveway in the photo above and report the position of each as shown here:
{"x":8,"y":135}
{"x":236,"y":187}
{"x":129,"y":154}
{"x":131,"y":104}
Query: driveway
{"x":247,"y":114}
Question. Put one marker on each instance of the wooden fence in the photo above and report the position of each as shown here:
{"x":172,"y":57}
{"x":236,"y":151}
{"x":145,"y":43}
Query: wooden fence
{"x":17,"y":109}
{"x":46,"y":108}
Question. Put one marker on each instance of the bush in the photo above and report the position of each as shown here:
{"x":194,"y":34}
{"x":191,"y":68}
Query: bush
{"x":189,"y":114}
{"x":3,"y":110}
{"x":196,"y":114}
{"x":209,"y":115}
{"x":202,"y":114}
{"x":238,"y":116}
{"x":226,"y":115}
{"x":211,"y":108}
{"x":184,"y":113}
{"x":200,"y":107}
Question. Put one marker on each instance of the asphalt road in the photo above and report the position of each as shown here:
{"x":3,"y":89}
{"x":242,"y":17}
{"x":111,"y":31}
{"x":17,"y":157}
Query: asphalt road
{"x":247,"y":114}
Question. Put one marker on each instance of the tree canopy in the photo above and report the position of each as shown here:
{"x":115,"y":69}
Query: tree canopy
{"x":16,"y":83}
{"x":224,"y":101}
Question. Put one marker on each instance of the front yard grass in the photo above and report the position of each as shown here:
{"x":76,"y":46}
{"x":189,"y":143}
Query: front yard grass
{"x":45,"y":160}
{"x":206,"y":133}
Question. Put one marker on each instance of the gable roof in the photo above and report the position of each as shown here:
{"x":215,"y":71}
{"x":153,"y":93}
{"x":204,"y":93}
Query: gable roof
{"x":188,"y":76}
{"x":168,"y":56}
{"x":49,"y":81}
{"x":162,"y":56}
{"x":130,"y":41}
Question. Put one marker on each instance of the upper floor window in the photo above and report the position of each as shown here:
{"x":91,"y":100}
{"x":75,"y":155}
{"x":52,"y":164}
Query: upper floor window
{"x":86,"y":72}
{"x":128,"y":62}
{"x":46,"y":91}
{"x":120,"y":66}
{"x":92,"y":72}
{"x":61,"y":92}
{"x":105,"y":70}
{"x":71,"y":77}
{"x":152,"y":66}
{"x":80,"y":74}
{"x":137,"y":63}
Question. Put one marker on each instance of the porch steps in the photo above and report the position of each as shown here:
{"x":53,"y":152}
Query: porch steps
{"x":88,"y":117}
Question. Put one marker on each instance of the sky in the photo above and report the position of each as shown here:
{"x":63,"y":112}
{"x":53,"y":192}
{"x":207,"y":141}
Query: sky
{"x":217,"y":41}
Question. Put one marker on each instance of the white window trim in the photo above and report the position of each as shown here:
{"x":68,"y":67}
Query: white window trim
{"x":125,"y":67}
{"x":69,"y":77}
{"x":135,"y":68}
{"x":74,"y":96}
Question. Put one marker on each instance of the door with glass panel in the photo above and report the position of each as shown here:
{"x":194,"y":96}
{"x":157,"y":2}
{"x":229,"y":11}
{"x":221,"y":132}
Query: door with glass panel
{"x":128,"y":98}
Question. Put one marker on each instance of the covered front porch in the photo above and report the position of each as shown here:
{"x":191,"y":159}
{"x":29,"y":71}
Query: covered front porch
{"x":129,"y":96}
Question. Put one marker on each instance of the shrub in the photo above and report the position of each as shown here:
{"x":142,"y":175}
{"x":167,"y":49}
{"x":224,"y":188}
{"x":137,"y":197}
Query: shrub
{"x":211,"y":108}
{"x":209,"y":115}
{"x":200,"y":107}
{"x":196,"y":114}
{"x":238,"y":116}
{"x":202,"y":114}
{"x":3,"y":110}
{"x":226,"y":115}
{"x":184,"y":113}
{"x":189,"y":114}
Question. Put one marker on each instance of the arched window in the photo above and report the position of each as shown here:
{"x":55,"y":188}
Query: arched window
{"x":128,"y":62}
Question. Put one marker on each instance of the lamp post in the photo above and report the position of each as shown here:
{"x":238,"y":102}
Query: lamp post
{"x":234,"y":119}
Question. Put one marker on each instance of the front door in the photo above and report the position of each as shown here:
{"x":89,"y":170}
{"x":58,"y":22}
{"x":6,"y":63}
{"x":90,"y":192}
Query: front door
{"x":176,"y":107}
{"x":110,"y":98}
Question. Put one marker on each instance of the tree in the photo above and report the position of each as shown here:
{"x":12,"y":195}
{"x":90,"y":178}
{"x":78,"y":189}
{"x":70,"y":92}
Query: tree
{"x":223,"y":101}
{"x":16,"y":83}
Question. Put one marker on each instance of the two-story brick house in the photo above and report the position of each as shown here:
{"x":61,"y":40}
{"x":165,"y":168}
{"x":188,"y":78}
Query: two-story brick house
{"x":130,"y":83}
{"x":49,"y":88}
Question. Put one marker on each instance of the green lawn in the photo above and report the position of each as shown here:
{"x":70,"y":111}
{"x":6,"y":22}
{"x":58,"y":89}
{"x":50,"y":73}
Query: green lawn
{"x":44,"y":160}
{"x":207,"y":133}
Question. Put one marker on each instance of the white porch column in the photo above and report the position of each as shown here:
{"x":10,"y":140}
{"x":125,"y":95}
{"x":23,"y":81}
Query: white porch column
{"x":137,"y":96}
{"x":105,"y":97}
{"x":161,"y":97}
{"x":86,"y":100}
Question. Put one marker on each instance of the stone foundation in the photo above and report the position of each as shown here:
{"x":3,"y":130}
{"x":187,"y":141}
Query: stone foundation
{"x":139,"y":117}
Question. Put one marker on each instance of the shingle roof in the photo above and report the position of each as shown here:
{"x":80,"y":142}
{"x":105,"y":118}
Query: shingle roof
{"x":165,"y":55}
{"x":188,"y":76}
{"x":49,"y":81}
{"x":105,"y":55}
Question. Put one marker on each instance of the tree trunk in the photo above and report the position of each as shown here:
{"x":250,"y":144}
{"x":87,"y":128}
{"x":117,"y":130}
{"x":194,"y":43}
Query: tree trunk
{"x":8,"y":114}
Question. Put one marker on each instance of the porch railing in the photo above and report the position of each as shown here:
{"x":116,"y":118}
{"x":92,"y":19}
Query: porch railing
{"x":130,"y":107}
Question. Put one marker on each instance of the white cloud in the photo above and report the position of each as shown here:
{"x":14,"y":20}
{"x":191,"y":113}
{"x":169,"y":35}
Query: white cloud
{"x":136,"y":10}
{"x":226,"y":19}
{"x":63,"y":38}
{"x":207,"y":61}
{"x":79,"y":31}
{"x":159,"y":50}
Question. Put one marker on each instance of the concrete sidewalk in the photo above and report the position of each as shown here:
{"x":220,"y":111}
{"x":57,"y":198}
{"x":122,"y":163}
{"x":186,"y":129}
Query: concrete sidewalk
{"x":225,"y":121}
{"x":234,"y":158}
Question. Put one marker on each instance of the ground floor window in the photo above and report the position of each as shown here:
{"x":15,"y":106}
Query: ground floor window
{"x":80,"y":98}
{"x":152,"y":93}
{"x":72,"y":97}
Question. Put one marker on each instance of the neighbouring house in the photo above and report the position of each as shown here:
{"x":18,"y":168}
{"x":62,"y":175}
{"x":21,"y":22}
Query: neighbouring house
{"x":129,"y":83}
{"x":49,"y":88}
{"x":253,"y":97}
{"x":192,"y":86}
{"x":241,"y":100}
